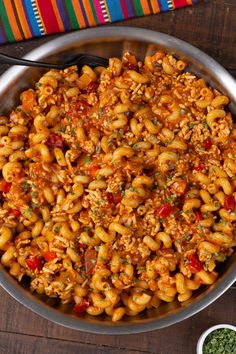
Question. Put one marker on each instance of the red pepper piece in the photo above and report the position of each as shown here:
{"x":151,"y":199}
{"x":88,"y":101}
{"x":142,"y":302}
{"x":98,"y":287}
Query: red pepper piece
{"x":194,"y":264}
{"x":34,"y":263}
{"x":114,"y":198}
{"x":55,"y":140}
{"x":90,"y":88}
{"x":199,"y":216}
{"x":164,"y":210}
{"x":207,"y":144}
{"x":229,"y":202}
{"x":80,"y":308}
{"x":79,"y":245}
{"x":80,"y":107}
{"x":5,"y":186}
{"x":117,"y":197}
{"x":49,"y":256}
{"x":93,"y":170}
{"x":199,"y":167}
{"x":21,"y":174}
{"x":15,"y":212}
{"x":90,"y":260}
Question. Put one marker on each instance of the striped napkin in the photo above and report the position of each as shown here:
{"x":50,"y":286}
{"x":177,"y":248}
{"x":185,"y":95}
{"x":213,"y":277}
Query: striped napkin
{"x":24,"y":19}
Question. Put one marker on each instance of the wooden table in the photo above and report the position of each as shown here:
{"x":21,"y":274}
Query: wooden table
{"x":211,"y":26}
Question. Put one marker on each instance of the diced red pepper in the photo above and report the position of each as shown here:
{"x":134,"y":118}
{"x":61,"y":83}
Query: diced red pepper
{"x":199,"y":167}
{"x":80,"y":308}
{"x":165,"y":250}
{"x":79,"y":108}
{"x":15,"y":212}
{"x":90,"y":260}
{"x":81,"y":104}
{"x":93,"y":170}
{"x":194,"y":264}
{"x":21,"y":174}
{"x":229,"y":202}
{"x":90,"y":88}
{"x":164,"y":211}
{"x":55,"y":140}
{"x":117,"y":197}
{"x":114,"y":198}
{"x":5,"y":186}
{"x":79,"y":245}
{"x":207,"y":144}
{"x":199,"y":216}
{"x":34,"y":263}
{"x":49,"y":256}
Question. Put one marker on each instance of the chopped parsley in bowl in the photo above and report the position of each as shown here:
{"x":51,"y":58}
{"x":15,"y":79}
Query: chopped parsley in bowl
{"x":219,"y":339}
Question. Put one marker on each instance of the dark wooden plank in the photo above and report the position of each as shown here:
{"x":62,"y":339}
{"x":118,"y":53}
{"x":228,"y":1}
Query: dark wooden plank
{"x":17,"y":319}
{"x":14,"y":343}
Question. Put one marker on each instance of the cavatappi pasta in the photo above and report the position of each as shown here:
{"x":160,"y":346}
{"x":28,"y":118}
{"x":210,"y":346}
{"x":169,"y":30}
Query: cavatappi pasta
{"x":118,"y":186}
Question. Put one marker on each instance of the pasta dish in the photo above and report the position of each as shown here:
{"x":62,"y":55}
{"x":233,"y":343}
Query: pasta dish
{"x":117,"y":185}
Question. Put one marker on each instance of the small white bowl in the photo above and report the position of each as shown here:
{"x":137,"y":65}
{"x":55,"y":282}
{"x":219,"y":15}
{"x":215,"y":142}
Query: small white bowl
{"x":202,"y":338}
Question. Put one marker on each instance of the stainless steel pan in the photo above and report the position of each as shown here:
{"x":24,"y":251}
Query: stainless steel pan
{"x":109,"y":42}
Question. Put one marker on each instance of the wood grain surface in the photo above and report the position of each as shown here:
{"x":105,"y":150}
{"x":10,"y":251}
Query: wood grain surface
{"x":211,"y":26}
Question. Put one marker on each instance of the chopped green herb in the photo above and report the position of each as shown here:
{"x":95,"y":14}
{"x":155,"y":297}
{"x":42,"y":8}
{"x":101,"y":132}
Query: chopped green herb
{"x":34,"y":194}
{"x":56,"y":229}
{"x":93,"y":261}
{"x":34,"y":205}
{"x":115,"y":134}
{"x":220,"y":341}
{"x":187,"y":237}
{"x":87,"y":160}
{"x":191,"y":195}
{"x":191,"y":125}
{"x":87,"y":229}
{"x":100,"y":111}
{"x":186,"y":262}
{"x":62,"y":129}
{"x":25,"y":187}
{"x":154,"y":121}
{"x":98,"y":148}
{"x":72,"y":132}
{"x":200,"y":227}
{"x":204,"y":123}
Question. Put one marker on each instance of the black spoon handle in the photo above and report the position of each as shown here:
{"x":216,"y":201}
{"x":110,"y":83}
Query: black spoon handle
{"x":7,"y":59}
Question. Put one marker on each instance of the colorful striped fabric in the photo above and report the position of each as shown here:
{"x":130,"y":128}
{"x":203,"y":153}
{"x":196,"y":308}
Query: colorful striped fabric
{"x":23,"y":19}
